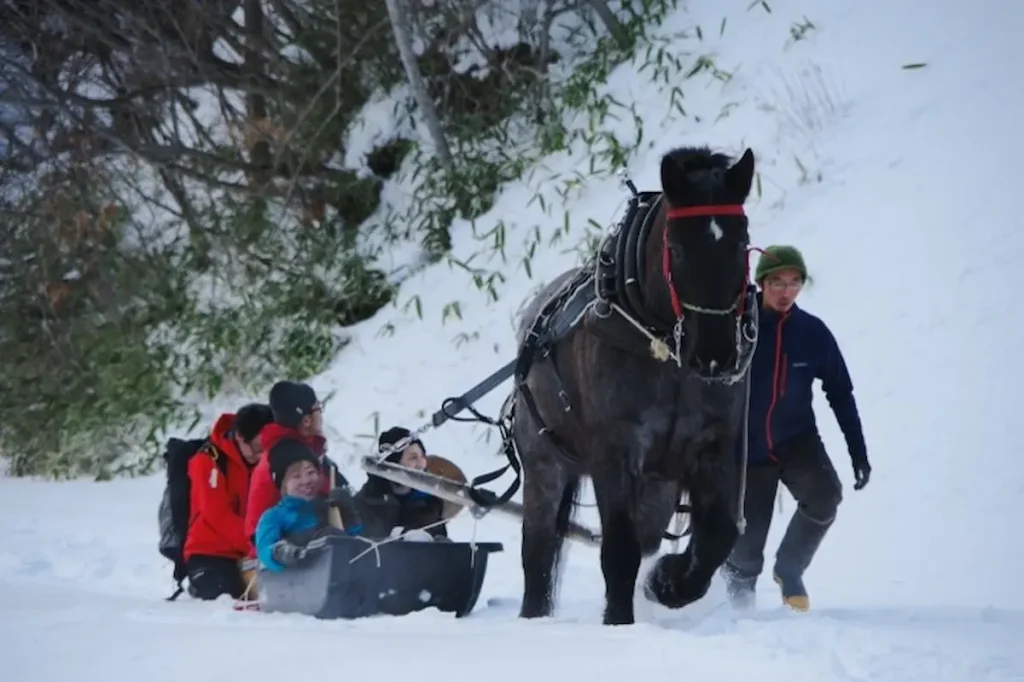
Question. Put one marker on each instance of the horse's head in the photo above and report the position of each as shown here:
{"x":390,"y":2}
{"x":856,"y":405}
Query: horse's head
{"x":704,"y":257}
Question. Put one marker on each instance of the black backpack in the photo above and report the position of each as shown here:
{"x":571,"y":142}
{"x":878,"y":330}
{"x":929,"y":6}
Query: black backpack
{"x":175,"y":506}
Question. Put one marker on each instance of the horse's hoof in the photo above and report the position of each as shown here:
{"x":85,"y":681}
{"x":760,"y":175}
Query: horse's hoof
{"x":534,"y":611}
{"x":618,"y":618}
{"x":673,"y":584}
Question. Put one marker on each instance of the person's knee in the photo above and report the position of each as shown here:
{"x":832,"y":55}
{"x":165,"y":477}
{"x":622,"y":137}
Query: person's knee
{"x":207,"y":589}
{"x":207,"y":584}
{"x":822,"y":504}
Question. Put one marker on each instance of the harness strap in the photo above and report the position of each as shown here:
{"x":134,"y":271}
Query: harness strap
{"x":482,"y":497}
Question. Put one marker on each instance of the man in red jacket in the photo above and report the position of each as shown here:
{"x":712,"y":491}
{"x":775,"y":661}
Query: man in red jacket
{"x":219,"y":475}
{"x":298,"y":415}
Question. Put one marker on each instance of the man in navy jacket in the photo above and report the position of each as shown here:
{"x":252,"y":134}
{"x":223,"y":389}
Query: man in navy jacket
{"x":794,"y":348}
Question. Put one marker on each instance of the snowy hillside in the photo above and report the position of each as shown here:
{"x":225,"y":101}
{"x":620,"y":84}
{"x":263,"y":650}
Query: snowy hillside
{"x":886,"y":141}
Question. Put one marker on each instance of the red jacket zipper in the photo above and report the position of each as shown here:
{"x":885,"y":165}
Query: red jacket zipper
{"x":779,"y":369}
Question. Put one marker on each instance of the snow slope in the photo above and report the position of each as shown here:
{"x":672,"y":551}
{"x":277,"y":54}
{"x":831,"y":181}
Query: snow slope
{"x":904,"y":212}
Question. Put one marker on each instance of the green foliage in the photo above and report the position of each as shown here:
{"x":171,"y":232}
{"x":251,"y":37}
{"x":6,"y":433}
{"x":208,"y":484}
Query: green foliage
{"x":263,"y":255}
{"x":522,"y":123}
{"x":81,"y":380}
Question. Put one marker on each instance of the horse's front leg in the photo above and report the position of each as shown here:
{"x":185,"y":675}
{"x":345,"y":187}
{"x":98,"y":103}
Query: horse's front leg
{"x":680,"y":579}
{"x":620,"y":548}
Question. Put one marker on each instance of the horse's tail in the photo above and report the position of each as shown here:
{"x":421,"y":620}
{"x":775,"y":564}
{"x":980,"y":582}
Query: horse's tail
{"x":568,"y":504}
{"x":570,"y":500}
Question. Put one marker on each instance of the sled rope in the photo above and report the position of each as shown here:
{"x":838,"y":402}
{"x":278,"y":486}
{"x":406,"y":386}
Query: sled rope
{"x":376,"y":544}
{"x":472,"y":544}
{"x":248,"y":587}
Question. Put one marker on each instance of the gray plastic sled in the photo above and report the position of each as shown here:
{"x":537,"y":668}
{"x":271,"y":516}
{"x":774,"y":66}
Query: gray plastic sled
{"x":395,"y":579}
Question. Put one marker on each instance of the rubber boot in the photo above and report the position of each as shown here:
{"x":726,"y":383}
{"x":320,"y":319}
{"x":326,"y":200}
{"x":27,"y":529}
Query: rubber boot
{"x":740,"y":588}
{"x":801,"y":542}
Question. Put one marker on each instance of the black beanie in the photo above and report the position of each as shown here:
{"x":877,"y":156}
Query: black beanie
{"x":291,"y":401}
{"x":286,"y":453}
{"x":392,"y":436}
{"x":250,"y":420}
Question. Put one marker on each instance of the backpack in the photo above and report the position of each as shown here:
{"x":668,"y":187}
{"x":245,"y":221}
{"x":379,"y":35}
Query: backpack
{"x":175,"y":506}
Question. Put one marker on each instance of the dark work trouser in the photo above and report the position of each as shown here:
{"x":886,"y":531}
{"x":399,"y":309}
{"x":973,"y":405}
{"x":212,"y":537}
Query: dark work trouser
{"x":804,"y":467}
{"x":211,"y":576}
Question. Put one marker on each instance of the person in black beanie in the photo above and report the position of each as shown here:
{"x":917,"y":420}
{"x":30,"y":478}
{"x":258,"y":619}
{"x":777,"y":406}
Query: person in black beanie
{"x":284,"y":532}
{"x":249,"y":422}
{"x":298,"y":415}
{"x":385,"y":506}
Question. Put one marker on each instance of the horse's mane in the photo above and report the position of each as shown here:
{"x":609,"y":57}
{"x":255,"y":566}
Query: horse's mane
{"x":699,"y":158}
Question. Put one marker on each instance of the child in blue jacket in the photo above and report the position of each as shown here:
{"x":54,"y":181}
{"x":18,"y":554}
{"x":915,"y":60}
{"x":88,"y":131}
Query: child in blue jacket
{"x":285,"y":529}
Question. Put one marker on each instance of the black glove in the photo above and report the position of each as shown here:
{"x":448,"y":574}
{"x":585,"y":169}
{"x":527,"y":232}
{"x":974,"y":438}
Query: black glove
{"x":486,"y":497}
{"x":287,"y":554}
{"x":341,"y":498}
{"x":861,"y":471}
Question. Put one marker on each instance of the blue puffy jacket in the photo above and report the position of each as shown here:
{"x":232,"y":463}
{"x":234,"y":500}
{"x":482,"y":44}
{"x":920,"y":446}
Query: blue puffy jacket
{"x":290,"y":515}
{"x":793,"y":350}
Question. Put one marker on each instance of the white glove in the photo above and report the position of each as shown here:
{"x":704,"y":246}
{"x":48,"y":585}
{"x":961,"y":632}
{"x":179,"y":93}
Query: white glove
{"x":417,"y":535}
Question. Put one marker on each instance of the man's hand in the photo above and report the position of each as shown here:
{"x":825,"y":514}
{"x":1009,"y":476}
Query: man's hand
{"x":861,"y":472}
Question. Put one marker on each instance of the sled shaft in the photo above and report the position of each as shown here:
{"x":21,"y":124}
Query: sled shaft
{"x":458,"y":493}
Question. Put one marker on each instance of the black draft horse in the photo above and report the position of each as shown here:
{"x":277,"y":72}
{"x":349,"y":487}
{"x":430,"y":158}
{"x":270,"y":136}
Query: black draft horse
{"x":645,"y":427}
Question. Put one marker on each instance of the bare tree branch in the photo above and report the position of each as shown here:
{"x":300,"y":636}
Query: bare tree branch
{"x":399,"y":26}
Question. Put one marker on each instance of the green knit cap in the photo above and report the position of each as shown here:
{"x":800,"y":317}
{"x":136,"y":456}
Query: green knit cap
{"x":779,"y":257}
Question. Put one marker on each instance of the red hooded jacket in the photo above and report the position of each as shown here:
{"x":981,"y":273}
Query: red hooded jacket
{"x":217,"y":519}
{"x":263,"y":494}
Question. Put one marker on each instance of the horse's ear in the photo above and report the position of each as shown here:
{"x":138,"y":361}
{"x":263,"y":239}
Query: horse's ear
{"x":740,"y":176}
{"x":673,"y":176}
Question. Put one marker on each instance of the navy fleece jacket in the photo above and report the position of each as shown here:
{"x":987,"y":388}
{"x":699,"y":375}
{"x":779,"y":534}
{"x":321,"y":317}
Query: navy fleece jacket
{"x":793,"y":350}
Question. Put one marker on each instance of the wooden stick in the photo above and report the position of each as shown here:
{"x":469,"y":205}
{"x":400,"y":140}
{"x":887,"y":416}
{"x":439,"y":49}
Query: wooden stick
{"x":333,"y":515}
{"x":458,"y":493}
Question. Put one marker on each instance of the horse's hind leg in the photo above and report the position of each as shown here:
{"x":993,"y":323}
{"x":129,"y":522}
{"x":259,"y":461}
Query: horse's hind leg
{"x":548,"y":496}
{"x":620,"y":547}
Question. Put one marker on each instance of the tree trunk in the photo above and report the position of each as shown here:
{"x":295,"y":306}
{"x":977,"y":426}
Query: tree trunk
{"x":419,"y":88}
{"x":256,"y":135}
{"x":610,"y":21}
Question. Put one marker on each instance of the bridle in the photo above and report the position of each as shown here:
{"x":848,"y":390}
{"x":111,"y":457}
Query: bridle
{"x":744,"y":310}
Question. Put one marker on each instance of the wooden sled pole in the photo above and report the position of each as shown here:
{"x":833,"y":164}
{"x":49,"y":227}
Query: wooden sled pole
{"x":333,"y":515}
{"x":458,"y":493}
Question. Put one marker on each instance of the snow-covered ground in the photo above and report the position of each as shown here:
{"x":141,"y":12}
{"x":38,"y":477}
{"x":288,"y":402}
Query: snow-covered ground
{"x":902,"y":203}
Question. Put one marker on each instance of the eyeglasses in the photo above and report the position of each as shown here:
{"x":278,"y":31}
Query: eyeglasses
{"x":779,"y":285}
